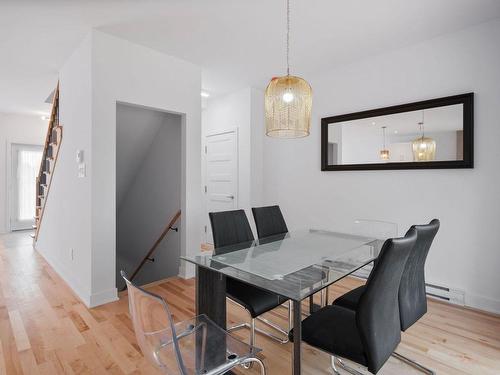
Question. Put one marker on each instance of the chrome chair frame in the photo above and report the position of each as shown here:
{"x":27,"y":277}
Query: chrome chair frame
{"x":336,"y":361}
{"x":254,"y":329}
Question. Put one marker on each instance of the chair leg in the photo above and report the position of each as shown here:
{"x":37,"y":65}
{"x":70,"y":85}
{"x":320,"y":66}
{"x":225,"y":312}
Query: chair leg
{"x":413,"y":364}
{"x":252,"y":332}
{"x":261,"y":331}
{"x":248,"y":363}
{"x":343,"y":366}
{"x":334,"y":365}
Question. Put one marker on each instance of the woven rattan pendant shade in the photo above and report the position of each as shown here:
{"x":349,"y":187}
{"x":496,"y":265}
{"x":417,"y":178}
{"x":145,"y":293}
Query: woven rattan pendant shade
{"x":424,"y":149}
{"x":288,"y":102}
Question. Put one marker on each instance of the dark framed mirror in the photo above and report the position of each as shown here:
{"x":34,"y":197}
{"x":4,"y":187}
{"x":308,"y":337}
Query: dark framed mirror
{"x":435,"y":133}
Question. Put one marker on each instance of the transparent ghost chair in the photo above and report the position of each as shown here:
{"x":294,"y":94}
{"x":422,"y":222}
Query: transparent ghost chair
{"x":376,"y":229}
{"x":192,"y":347}
{"x":379,"y":231}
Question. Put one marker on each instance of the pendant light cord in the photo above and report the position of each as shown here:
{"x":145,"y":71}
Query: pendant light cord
{"x":422,"y":124}
{"x":287,"y":37}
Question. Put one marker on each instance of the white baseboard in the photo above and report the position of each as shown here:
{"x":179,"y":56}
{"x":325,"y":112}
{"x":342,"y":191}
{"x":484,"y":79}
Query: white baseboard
{"x":81,"y":292}
{"x":103,"y":297}
{"x":187,"y":270}
{"x":482,"y":303}
{"x":89,"y":299}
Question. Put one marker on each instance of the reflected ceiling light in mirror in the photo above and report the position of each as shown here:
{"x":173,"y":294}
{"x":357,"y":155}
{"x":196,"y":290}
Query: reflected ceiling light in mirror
{"x":384,"y":153}
{"x":288,"y":100}
{"x":424,"y":148}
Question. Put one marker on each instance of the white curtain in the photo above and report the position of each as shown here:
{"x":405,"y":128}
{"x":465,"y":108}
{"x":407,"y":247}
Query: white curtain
{"x":27,"y":172}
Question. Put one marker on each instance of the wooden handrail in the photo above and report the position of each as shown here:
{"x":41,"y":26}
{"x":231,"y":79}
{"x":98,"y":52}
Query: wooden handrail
{"x":155,"y":245}
{"x":53,"y":125}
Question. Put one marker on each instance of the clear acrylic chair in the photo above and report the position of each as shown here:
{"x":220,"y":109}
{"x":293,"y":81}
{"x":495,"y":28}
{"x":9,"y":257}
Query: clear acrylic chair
{"x":376,"y":229}
{"x":380,"y":230}
{"x":192,"y":347}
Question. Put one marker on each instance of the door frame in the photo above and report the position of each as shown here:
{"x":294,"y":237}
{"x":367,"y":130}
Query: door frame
{"x":234,"y":130}
{"x":9,"y":196}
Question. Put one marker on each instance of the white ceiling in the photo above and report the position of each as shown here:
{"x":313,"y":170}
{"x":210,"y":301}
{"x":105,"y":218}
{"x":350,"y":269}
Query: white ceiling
{"x":438,"y":119}
{"x":237,"y":43}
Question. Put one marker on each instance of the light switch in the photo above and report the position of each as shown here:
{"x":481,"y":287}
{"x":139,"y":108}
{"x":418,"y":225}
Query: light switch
{"x":81,"y":170}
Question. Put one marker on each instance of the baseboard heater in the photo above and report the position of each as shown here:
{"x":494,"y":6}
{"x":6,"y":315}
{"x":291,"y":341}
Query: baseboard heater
{"x":439,"y":292}
{"x":443,"y":293}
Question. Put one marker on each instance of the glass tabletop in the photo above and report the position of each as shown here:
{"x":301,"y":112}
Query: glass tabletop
{"x":294,"y":265}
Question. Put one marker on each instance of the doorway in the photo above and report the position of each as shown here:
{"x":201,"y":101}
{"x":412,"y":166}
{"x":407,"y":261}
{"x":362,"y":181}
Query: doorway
{"x":25,"y":166}
{"x":148,"y":192}
{"x":221,"y":175}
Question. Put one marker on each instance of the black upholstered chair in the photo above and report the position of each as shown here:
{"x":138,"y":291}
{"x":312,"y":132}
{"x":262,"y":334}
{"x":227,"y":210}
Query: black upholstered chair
{"x":369,"y":334}
{"x":232,"y":228}
{"x":412,"y":297}
{"x":269,"y":221}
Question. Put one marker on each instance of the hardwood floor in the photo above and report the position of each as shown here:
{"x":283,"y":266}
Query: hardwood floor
{"x":45,"y":329}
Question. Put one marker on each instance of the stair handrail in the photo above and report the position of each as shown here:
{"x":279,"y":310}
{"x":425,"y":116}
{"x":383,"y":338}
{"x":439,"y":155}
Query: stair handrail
{"x":168,"y":228}
{"x":49,"y":129}
{"x":53,"y":119}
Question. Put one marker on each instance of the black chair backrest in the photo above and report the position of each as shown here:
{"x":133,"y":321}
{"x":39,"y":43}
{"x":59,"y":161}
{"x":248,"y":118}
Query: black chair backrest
{"x":269,"y":221}
{"x":230,"y":228}
{"x":412,"y":297}
{"x":377,"y":316}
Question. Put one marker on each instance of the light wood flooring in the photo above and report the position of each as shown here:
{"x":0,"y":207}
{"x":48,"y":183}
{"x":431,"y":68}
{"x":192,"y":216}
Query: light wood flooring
{"x":45,"y":329}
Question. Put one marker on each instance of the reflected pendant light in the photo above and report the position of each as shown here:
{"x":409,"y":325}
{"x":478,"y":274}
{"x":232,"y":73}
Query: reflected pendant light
{"x":384,"y":153}
{"x":288,"y":100}
{"x":424,"y":148}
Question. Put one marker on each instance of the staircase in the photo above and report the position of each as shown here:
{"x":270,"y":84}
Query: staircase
{"x":48,"y":164}
{"x":149,"y":255}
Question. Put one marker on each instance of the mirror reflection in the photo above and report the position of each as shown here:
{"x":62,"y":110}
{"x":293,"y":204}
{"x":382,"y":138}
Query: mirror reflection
{"x":431,"y":134}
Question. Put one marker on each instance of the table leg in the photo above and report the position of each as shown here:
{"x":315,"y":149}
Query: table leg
{"x":297,"y":337}
{"x":211,"y":295}
{"x":211,"y":301}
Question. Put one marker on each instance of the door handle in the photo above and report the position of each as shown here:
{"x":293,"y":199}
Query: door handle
{"x":230,"y":196}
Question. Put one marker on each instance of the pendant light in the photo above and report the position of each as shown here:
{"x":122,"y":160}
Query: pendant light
{"x":424,"y":148}
{"x":384,"y":153}
{"x":288,"y":100}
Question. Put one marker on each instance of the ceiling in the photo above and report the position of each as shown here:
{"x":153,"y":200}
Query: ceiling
{"x":237,"y":43}
{"x":438,"y":119}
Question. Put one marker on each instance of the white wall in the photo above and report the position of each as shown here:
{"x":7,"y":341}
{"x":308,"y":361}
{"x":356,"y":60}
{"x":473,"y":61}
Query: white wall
{"x":135,"y":133}
{"x":465,"y":254}
{"x":151,"y":199}
{"x":66,"y":220}
{"x":106,"y":70}
{"x":21,"y":129}
{"x":129,"y":73}
{"x":244,"y":110}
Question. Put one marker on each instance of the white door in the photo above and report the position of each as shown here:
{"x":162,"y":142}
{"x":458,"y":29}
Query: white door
{"x":221,"y":166}
{"x":24,"y":171}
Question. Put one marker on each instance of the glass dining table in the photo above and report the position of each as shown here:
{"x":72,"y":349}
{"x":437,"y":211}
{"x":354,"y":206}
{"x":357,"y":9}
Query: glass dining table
{"x":296,"y":265}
